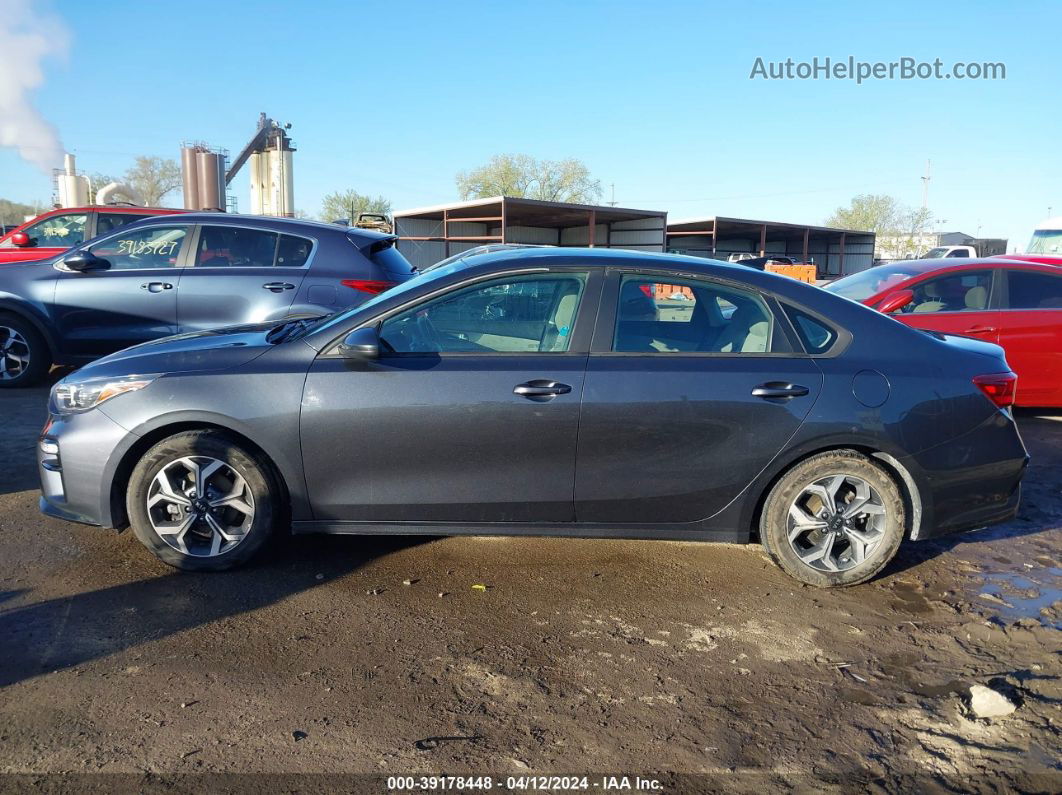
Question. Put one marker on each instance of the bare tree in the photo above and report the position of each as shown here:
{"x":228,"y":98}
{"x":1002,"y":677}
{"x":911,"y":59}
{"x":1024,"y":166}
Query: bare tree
{"x":154,"y":178}
{"x":523,"y":176}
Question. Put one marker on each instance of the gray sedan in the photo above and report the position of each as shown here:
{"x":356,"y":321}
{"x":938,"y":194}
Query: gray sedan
{"x":552,"y":392}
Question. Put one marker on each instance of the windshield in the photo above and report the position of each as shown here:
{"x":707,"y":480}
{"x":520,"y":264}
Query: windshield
{"x":860,"y":286}
{"x":935,"y":253}
{"x":1046,"y":241}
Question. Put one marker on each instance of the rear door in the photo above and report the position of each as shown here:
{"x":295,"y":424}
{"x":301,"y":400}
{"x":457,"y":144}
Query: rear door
{"x":1030,"y":330}
{"x":671,"y":430}
{"x":962,"y":302}
{"x":133,"y":301}
{"x":241,"y":274}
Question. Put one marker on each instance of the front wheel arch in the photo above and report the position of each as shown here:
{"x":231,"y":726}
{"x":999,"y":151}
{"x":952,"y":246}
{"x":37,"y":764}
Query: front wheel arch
{"x":132,"y":456}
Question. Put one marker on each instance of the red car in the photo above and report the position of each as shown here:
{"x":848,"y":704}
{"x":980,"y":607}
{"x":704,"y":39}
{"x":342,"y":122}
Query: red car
{"x":55,"y":231}
{"x":1044,"y":259}
{"x":1014,"y":304}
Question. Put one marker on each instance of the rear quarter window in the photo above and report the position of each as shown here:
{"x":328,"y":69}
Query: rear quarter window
{"x":815,"y":335}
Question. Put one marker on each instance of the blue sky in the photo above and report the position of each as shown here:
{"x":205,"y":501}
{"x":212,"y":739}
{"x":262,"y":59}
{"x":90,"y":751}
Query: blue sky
{"x":395,"y":98}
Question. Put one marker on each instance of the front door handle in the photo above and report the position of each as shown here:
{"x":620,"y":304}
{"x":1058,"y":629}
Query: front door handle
{"x":278,"y":287}
{"x":980,"y":330}
{"x":156,"y":287}
{"x":541,"y":389}
{"x":779,"y":389}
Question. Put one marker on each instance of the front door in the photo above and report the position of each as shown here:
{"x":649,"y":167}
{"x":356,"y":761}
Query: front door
{"x":961,"y":302}
{"x":132,"y":301}
{"x":470,"y":415}
{"x":240,"y":275}
{"x":690,"y":392}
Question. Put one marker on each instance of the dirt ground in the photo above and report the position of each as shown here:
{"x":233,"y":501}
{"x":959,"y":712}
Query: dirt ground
{"x":698,"y":665}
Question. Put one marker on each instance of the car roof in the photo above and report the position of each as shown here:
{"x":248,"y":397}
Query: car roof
{"x":293,"y":225}
{"x":120,"y":208}
{"x":920,"y":266}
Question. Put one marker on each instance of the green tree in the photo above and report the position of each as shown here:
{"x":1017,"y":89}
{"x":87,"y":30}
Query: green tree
{"x":869,"y":212}
{"x":154,"y":178}
{"x":901,"y":232}
{"x":347,"y":204}
{"x":526,"y":177}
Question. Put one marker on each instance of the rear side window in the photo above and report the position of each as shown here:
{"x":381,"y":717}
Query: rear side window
{"x":293,"y":252}
{"x":1029,"y":290}
{"x":816,"y":336}
{"x":107,"y":222}
{"x":658,"y":315}
{"x":236,"y":247}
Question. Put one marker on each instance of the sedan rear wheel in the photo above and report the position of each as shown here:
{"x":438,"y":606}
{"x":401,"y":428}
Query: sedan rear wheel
{"x":201,"y":502}
{"x":834,"y":519}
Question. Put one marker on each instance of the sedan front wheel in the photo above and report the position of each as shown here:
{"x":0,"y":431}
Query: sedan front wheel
{"x":200,"y":502}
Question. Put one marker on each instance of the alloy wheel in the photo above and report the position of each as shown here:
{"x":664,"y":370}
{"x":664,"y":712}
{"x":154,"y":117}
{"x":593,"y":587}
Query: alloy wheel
{"x":836,"y":522}
{"x":200,"y":506}
{"x":14,"y":354}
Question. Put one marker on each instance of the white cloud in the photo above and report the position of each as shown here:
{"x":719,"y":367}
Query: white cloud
{"x":28,"y":35}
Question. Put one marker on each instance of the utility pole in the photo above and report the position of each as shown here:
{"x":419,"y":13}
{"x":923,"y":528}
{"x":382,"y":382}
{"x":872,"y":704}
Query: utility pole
{"x":613,"y":202}
{"x":925,"y":187}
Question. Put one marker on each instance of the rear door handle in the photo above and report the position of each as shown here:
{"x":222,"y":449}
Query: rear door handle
{"x":278,"y":287}
{"x":980,"y":330}
{"x":541,"y":388}
{"x":156,"y":287}
{"x":779,"y":389}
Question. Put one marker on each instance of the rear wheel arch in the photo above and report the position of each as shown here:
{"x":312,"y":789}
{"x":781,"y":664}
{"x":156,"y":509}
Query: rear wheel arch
{"x":905,"y":481}
{"x":124,"y":469}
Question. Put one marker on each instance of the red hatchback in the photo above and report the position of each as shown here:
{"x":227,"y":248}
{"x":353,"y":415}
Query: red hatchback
{"x":53,"y":232}
{"x":1014,"y":304}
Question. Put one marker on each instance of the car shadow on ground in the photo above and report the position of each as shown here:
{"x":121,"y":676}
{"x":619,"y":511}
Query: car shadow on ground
{"x":65,"y":632}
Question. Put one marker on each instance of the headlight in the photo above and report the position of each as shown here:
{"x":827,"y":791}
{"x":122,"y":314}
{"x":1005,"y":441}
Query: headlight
{"x":71,"y":397}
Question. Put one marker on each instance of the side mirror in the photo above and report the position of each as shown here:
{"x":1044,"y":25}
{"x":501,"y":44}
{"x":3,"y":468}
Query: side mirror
{"x":20,"y":239}
{"x":86,"y":261}
{"x":362,"y":343}
{"x":896,"y":301}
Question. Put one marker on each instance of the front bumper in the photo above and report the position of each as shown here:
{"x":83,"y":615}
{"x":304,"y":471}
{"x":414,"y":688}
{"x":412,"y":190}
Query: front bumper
{"x":75,"y":456}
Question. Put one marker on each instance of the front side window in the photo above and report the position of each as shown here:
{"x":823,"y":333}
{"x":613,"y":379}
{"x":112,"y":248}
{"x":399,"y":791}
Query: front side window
{"x":519,"y":314}
{"x":235,"y":247}
{"x":1029,"y":290}
{"x":152,"y":247}
{"x":689,"y":316}
{"x":959,"y":292}
{"x":57,"y":231}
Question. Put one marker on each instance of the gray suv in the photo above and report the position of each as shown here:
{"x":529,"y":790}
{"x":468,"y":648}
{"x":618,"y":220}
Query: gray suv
{"x":183,"y":273}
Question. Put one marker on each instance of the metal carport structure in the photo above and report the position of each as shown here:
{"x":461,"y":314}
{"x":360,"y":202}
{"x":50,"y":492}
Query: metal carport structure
{"x":429,"y":234}
{"x":834,"y":252}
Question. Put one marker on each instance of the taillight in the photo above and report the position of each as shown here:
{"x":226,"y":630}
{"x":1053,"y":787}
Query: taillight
{"x":368,"y":286}
{"x":999,"y":387}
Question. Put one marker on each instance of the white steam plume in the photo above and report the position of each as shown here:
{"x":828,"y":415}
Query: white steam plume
{"x":27,"y":36}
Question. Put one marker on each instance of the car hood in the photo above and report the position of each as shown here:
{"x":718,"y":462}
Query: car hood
{"x":198,"y":351}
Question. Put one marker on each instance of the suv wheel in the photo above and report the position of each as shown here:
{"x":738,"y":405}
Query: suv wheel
{"x":836,"y":518}
{"x":201,"y":502}
{"x":24,"y":355}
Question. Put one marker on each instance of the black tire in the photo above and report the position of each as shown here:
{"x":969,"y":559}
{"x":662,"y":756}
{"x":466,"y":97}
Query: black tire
{"x":260,"y":481}
{"x":774,"y":519}
{"x":36,"y":347}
